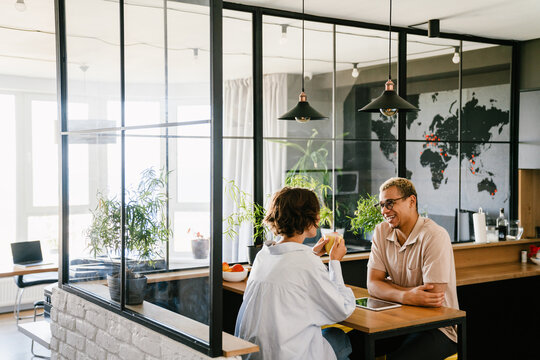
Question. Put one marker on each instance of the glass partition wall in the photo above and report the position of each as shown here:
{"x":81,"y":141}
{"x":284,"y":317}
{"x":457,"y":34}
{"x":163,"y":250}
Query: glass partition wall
{"x":162,"y":123}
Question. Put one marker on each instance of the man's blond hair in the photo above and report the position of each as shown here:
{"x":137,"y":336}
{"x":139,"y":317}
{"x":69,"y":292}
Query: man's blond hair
{"x":405,"y":187}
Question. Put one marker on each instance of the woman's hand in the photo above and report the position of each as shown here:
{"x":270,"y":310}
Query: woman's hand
{"x":338,"y":249}
{"x":318,"y":249}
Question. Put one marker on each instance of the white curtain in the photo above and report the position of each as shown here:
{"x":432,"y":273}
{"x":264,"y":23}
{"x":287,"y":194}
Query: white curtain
{"x":238,"y":153}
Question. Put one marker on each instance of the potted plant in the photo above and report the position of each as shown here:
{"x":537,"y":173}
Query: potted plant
{"x":146,"y":230}
{"x":366,"y":216}
{"x":199,"y":245}
{"x":246,"y":211}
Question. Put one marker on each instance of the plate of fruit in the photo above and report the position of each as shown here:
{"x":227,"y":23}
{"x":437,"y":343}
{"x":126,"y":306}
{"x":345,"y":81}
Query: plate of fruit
{"x":234,"y":273}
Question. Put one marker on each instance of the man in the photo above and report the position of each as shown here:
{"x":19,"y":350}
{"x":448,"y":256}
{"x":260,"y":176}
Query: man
{"x":412,"y":262}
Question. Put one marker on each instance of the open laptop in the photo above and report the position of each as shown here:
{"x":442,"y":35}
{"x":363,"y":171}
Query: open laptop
{"x":27,"y":253}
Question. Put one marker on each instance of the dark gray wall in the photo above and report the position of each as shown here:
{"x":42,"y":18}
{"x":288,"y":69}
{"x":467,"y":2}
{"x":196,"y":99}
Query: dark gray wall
{"x":530,"y":65}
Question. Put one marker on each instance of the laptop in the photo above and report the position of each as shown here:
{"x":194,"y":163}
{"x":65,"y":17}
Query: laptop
{"x":27,"y":253}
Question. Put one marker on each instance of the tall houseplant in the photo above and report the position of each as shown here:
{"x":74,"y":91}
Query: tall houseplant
{"x":146,"y":230}
{"x":246,"y":211}
{"x":366,"y":216}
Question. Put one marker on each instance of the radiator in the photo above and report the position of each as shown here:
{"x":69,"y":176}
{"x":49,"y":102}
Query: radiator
{"x":8,"y":291}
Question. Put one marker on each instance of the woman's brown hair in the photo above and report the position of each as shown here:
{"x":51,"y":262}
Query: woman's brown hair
{"x":292,"y":211}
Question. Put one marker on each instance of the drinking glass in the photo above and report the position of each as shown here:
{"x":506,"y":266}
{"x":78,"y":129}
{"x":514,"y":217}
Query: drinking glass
{"x":515,"y":230}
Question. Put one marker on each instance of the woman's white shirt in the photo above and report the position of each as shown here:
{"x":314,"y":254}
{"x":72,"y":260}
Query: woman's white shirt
{"x":289,"y":295}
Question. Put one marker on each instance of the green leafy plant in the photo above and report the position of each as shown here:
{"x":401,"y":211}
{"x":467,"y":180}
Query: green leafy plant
{"x":312,"y":156}
{"x":146,"y":221}
{"x":247,"y":211}
{"x":305,"y":181}
{"x":366,"y":216}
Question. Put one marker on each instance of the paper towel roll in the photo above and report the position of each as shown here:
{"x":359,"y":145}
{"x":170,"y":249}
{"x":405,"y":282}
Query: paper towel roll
{"x":479,"y":222}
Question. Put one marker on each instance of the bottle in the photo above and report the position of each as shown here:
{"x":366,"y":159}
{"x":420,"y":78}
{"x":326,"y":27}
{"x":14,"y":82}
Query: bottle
{"x":502,"y":225}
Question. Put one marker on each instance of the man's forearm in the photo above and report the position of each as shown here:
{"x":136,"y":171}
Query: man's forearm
{"x":386,"y":290}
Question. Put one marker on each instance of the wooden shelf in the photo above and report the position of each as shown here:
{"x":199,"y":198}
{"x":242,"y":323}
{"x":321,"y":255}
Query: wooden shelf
{"x":232,"y":346}
{"x":494,"y":272}
{"x":39,"y":331}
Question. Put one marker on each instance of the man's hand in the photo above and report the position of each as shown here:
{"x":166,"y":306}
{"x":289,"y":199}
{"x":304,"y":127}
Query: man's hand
{"x":338,"y":250}
{"x":318,"y":249}
{"x":420,"y":295}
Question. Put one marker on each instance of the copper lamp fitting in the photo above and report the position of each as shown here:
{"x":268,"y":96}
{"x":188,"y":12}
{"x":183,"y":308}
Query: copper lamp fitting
{"x":302,"y":97}
{"x":389,"y":85}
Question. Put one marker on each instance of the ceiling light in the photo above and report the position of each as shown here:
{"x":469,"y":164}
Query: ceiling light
{"x":456,"y":58}
{"x":355,"y":71}
{"x":302,"y":112}
{"x":389,"y":102}
{"x":20,"y":5}
{"x":195,"y":54}
{"x":283,"y":38}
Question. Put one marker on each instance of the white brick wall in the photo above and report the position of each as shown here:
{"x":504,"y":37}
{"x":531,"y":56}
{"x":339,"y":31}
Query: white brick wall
{"x":82,"y":330}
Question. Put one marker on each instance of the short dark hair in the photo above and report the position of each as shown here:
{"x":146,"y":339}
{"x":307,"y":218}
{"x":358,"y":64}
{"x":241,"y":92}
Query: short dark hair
{"x":292,"y":211}
{"x":404,"y":186}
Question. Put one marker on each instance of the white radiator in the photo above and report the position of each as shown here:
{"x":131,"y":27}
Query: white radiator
{"x":8,"y":291}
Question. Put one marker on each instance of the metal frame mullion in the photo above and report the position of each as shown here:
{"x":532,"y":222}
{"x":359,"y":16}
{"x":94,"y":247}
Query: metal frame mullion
{"x":258,"y":114}
{"x":402,"y":91}
{"x":61,"y":85}
{"x":166,"y":120}
{"x":514,"y":131}
{"x":216,"y":90}
{"x":122,"y":158}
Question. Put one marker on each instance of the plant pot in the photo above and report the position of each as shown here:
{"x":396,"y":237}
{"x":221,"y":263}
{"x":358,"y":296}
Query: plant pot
{"x":135,"y":289}
{"x":200,"y":247}
{"x":252,"y":252}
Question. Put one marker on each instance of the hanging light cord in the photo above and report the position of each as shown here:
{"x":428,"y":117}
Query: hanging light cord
{"x":302,"y":45}
{"x":390,"y":44}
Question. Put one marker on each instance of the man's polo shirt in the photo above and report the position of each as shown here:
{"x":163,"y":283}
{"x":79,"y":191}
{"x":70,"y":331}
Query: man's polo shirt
{"x":426,"y":256}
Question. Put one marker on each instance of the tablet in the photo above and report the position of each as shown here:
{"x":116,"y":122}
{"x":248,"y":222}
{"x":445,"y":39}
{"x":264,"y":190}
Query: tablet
{"x":375,"y":304}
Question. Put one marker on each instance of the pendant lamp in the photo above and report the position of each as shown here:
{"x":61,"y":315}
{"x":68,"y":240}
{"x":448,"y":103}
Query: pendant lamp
{"x":302,"y":112}
{"x":389,"y":103}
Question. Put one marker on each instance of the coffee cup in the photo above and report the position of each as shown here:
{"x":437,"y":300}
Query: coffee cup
{"x":332,"y":237}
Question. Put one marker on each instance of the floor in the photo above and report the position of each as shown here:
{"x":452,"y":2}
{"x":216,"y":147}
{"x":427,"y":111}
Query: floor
{"x":13,"y":344}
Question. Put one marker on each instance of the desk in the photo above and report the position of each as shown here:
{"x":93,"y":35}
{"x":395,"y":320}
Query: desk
{"x":13,"y":270}
{"x":389,"y":323}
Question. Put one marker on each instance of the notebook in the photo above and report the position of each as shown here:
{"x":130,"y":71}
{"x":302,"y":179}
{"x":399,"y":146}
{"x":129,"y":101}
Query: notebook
{"x":27,"y":253}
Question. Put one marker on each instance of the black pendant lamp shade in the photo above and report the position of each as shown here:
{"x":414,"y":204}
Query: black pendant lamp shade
{"x":389,"y":103}
{"x":389,"y":100}
{"x":302,"y":112}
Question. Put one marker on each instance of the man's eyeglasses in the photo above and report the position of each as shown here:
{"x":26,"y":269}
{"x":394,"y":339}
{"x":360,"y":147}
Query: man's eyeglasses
{"x":389,"y":203}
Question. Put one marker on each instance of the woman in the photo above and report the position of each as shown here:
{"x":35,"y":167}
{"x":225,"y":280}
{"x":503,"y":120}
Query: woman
{"x":290,"y":293}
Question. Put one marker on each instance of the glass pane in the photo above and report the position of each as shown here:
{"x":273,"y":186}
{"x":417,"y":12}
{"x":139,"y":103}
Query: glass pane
{"x":301,"y":163}
{"x":237,"y":74}
{"x":360,"y":176}
{"x":432,"y":86}
{"x":93,"y":57}
{"x":94,"y":228}
{"x":485,"y":177}
{"x":282,"y":68}
{"x":435,"y":176}
{"x":237,"y":179}
{"x":356,"y":88}
{"x":8,"y":143}
{"x":486,"y":92}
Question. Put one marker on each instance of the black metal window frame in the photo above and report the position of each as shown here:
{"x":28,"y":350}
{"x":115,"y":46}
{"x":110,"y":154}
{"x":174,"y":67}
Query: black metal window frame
{"x":214,"y":347}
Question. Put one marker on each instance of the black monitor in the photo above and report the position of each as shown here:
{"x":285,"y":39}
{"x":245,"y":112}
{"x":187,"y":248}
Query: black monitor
{"x":26,"y":252}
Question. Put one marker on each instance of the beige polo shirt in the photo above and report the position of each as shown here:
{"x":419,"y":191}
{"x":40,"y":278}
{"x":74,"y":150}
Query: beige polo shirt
{"x":426,"y":256}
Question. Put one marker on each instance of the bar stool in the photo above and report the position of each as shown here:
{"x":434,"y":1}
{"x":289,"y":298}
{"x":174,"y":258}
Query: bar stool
{"x":24,"y":281}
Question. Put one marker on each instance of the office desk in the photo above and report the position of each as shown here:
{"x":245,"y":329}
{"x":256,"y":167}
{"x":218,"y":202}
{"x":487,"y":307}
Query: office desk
{"x":394,"y":322}
{"x":8,"y":270}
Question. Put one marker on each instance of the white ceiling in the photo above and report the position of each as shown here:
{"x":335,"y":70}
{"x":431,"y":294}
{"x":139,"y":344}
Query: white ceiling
{"x":28,"y":42}
{"x":500,"y":19}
